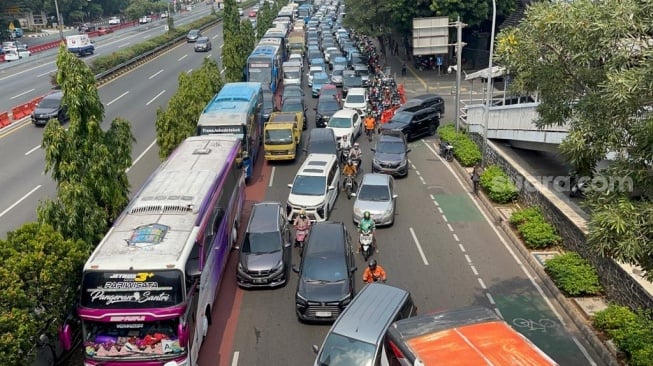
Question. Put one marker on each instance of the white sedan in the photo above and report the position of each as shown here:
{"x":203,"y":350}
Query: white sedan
{"x":312,"y":71}
{"x":15,"y":54}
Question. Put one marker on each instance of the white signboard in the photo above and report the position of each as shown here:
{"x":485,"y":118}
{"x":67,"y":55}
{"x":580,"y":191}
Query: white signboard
{"x":430,"y":36}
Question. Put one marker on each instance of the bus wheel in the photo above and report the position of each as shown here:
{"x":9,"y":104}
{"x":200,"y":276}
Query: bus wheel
{"x":234,"y":235}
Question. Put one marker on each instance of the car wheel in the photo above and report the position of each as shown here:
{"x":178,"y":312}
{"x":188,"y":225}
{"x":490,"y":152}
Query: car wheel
{"x":432,"y":129}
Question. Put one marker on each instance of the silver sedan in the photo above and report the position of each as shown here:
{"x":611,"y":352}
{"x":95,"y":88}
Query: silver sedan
{"x":376,"y":194}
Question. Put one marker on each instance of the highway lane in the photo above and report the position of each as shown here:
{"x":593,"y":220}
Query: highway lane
{"x":134,"y":96}
{"x":30,"y":78}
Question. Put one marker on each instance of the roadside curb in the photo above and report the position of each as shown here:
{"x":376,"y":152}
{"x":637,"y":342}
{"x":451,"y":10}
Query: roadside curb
{"x":571,"y":311}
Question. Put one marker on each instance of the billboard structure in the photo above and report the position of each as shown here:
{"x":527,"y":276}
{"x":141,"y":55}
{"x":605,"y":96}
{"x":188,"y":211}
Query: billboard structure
{"x":430,"y":36}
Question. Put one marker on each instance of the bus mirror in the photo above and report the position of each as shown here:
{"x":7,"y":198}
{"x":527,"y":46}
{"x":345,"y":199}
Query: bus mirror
{"x":193,"y":270}
{"x":182,"y":331}
{"x":65,"y":337}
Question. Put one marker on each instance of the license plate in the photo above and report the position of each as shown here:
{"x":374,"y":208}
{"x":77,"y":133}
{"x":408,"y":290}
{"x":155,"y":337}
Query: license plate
{"x":258,"y":280}
{"x":323,"y":314}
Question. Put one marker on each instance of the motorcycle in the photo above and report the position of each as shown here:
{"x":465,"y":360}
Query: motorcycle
{"x":349,"y":185}
{"x":344,"y":154}
{"x":301,"y":232}
{"x":366,"y":242}
{"x":446,"y":150}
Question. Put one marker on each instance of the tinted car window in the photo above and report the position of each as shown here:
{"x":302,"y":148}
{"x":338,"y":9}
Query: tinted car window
{"x":262,"y":243}
{"x":370,"y":192}
{"x":390,"y":147}
{"x":326,"y":106}
{"x":328,"y":267}
{"x":52,"y":102}
{"x":402,"y":117}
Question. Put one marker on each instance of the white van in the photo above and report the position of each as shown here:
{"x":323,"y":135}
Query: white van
{"x":315,"y":187}
{"x":357,"y":98}
{"x":292,"y":73}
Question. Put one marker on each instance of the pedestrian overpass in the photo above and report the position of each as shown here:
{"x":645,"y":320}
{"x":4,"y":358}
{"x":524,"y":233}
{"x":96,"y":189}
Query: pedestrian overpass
{"x":510,"y":119}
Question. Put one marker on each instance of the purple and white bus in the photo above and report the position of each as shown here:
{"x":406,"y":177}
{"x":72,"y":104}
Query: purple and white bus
{"x":148,"y":288}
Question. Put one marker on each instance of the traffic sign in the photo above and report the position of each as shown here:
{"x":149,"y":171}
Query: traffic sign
{"x":438,"y":60}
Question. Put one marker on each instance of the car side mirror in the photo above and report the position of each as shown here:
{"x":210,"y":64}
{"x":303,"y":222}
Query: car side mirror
{"x":353,"y":194}
{"x":289,"y":185}
{"x":373,"y":149}
{"x":331,"y":188}
{"x":395,"y":196}
{"x":286,"y":245}
{"x":295,"y":268}
{"x":353,"y":269}
{"x":315,"y":108}
{"x":316,"y":349}
{"x":407,"y":150}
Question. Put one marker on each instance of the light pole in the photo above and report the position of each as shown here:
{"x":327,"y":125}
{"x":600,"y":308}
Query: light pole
{"x":59,"y":25}
{"x":486,"y":116}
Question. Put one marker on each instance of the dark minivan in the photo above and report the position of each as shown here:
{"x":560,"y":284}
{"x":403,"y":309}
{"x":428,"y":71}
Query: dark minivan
{"x":327,"y":105}
{"x":326,"y":274}
{"x":265,"y":254}
{"x":51,"y":106}
{"x":322,"y":141}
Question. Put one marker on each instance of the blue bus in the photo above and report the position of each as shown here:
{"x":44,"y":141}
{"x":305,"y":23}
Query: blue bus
{"x":264,"y":66}
{"x":236,"y":110}
{"x":278,"y":36}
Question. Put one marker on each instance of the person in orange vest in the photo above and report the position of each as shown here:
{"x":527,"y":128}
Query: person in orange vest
{"x":369,"y":125}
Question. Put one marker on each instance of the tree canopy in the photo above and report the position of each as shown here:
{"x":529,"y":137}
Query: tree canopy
{"x":591,"y":64}
{"x":179,"y":120}
{"x":88,"y":164}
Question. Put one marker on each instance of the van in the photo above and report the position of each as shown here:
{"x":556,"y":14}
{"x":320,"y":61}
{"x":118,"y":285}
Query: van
{"x":292,"y":73}
{"x":322,"y":141}
{"x":466,"y":336}
{"x":357,"y":336}
{"x":314,"y":187}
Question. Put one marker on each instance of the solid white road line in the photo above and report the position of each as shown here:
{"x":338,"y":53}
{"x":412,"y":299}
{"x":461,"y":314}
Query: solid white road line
{"x":46,"y":73}
{"x":182,"y":57}
{"x":140,"y":156}
{"x":157,"y":73}
{"x":234,"y":362}
{"x":33,"y":149}
{"x":20,"y":200}
{"x":419,"y":247}
{"x":271,"y":177}
{"x":153,"y":99}
{"x":21,"y":94}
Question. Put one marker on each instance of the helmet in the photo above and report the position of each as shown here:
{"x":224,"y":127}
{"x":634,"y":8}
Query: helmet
{"x":366,"y":215}
{"x":302,"y":213}
{"x":356,"y":145}
{"x":350,"y":162}
{"x":372,"y":264}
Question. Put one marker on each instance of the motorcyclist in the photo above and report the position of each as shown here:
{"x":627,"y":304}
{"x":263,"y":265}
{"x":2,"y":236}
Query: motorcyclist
{"x":374,"y":272}
{"x":355,"y":153}
{"x":350,"y":168}
{"x":368,"y":224}
{"x":301,"y":223}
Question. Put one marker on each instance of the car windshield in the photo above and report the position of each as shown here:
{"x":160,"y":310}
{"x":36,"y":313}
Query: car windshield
{"x":261,"y":243}
{"x":307,"y":185}
{"x":202,"y":40}
{"x":324,"y":267}
{"x":291,"y":75}
{"x":278,"y":137}
{"x":358,"y":99}
{"x":49,"y":103}
{"x":292,"y":107}
{"x":327,"y":106}
{"x":402,"y":117}
{"x":193,"y":33}
{"x":339,"y":122}
{"x":337,"y":72}
{"x":370,"y":192}
{"x":319,"y":80}
{"x":339,"y":350}
{"x":363,"y":71}
{"x":390,"y":147}
{"x":353,"y":81}
{"x":268,"y":103}
{"x":292,"y":92}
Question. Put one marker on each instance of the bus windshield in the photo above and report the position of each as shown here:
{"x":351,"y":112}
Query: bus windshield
{"x":260,"y":75}
{"x":132,"y":290}
{"x":137,"y":339}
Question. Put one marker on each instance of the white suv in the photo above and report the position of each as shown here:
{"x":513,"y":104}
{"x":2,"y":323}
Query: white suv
{"x":358,"y":99}
{"x":347,"y":126}
{"x":114,"y":21}
{"x":315,"y":187}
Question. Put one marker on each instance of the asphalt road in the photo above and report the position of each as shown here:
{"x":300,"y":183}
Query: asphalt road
{"x":441,"y":247}
{"x":29,"y":78}
{"x":134,"y":96}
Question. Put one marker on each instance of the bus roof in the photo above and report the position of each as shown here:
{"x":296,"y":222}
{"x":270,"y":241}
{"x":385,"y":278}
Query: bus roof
{"x":240,"y":91}
{"x":467,"y":336}
{"x":265,"y":50}
{"x":154,"y":230}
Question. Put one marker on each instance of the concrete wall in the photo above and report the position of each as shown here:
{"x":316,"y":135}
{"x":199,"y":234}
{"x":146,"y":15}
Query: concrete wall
{"x":622,"y":283}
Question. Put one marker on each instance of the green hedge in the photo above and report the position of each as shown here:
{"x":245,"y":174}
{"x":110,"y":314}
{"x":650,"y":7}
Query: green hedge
{"x":631,"y":332}
{"x":498,"y":185}
{"x":533,"y":228}
{"x":573,"y":274}
{"x":464,"y":149}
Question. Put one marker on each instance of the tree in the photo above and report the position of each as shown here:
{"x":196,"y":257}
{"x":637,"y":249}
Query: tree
{"x":41,"y":272}
{"x":590,"y":64}
{"x":179,"y":120}
{"x":230,"y":21}
{"x":472,"y":12}
{"x":88,"y":164}
{"x":231,"y":61}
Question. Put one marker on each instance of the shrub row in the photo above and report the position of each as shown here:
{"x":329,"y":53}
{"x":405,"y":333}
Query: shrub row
{"x":573,"y":275}
{"x":498,"y":185}
{"x":533,"y":228}
{"x":464,"y":149}
{"x":631,"y":332}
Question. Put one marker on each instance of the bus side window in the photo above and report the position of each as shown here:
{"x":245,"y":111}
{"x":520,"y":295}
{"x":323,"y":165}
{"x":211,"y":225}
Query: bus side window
{"x":193,"y":269}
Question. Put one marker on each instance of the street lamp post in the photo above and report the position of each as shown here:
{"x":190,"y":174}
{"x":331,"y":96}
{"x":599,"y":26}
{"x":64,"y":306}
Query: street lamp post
{"x":489,"y":86}
{"x":59,"y":25}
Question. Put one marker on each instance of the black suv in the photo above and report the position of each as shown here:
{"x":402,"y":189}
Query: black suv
{"x":390,"y":154}
{"x":265,"y":256}
{"x":414,"y":124}
{"x":327,"y":105}
{"x":326,"y":274}
{"x":423,"y":101}
{"x":50,"y":107}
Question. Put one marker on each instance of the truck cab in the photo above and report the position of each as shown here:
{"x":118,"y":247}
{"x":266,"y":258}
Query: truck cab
{"x":282,"y":135}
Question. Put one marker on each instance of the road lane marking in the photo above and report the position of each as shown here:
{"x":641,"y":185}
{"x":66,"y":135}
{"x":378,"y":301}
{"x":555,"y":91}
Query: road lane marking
{"x":140,"y":156}
{"x":214,"y":37}
{"x":19,"y":200}
{"x":153,"y":99}
{"x":157,"y":73}
{"x":222,"y":45}
{"x":124,"y":44}
{"x":189,"y":71}
{"x":444,"y":217}
{"x":222,"y":71}
{"x":26,"y":70}
{"x":419,"y":247}
{"x":475,"y":272}
{"x":21,"y":94}
{"x":46,"y":73}
{"x":182,"y":57}
{"x":514,"y":256}
{"x":118,"y":97}
{"x":450,"y":227}
{"x":234,"y":362}
{"x":455,"y":237}
{"x":147,"y":36}
{"x":490,"y":298}
{"x":271,"y":177}
{"x":440,"y":209}
{"x":209,"y":55}
{"x":468,"y":259}
{"x":422,"y":179}
{"x":462,"y":248}
{"x":417,"y":172}
{"x":33,"y":149}
{"x":480,"y":281}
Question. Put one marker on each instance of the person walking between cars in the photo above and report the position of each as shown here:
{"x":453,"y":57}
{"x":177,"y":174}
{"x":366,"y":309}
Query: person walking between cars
{"x":374,"y":273}
{"x":476,"y":177}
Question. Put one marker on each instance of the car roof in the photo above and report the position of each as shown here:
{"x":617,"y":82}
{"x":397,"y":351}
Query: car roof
{"x":360,"y":91}
{"x":54,"y":95}
{"x":349,"y":113}
{"x":376,"y":179}
{"x":293,"y":100}
{"x":320,"y":74}
{"x":202,"y":39}
{"x":322,"y":238}
{"x":262,"y":219}
{"x":425,"y":96}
